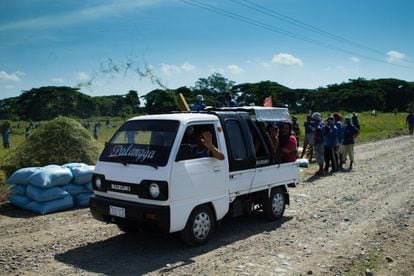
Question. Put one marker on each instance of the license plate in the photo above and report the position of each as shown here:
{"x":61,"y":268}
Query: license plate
{"x":117,"y":211}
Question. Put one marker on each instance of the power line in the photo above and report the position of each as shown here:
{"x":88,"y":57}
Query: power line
{"x":281,"y":31}
{"x":293,"y":21}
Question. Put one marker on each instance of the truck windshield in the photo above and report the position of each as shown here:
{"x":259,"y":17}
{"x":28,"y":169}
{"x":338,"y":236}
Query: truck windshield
{"x":146,"y":142}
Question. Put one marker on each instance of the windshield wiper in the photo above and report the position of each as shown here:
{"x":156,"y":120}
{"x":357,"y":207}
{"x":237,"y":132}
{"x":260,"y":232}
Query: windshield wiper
{"x":150,"y":164}
{"x":118,"y":159}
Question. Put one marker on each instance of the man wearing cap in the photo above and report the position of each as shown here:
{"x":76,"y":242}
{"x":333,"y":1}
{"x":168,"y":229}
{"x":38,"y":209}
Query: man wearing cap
{"x":199,"y":104}
{"x":350,"y":133}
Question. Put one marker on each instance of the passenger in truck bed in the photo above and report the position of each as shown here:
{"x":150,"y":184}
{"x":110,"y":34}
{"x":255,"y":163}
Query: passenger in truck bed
{"x":287,"y":143}
{"x":272,"y":133}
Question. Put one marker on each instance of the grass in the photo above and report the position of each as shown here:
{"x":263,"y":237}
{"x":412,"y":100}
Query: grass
{"x":371,"y":262}
{"x":382,"y":126}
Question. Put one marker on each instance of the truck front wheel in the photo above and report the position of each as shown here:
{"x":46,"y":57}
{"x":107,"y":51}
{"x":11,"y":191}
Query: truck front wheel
{"x":199,"y":227}
{"x":274,"y":206}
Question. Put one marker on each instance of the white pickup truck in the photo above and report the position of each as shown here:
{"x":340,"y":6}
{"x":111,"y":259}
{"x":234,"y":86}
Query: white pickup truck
{"x":150,"y":172}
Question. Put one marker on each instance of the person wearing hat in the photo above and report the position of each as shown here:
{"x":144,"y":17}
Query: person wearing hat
{"x":331,"y":142}
{"x":199,"y":104}
{"x":350,"y":133}
{"x":318,"y":141}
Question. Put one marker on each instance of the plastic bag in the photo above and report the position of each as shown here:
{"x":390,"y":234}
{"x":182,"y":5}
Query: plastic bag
{"x":51,"y":176}
{"x":19,"y":200}
{"x":22,"y":176}
{"x":19,"y":189}
{"x":47,"y":207}
{"x":45,"y":194}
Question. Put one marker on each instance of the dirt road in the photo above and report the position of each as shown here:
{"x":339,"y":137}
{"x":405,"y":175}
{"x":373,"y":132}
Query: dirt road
{"x":346,"y":222}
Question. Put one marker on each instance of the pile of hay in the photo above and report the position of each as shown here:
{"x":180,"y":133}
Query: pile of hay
{"x":59,"y":141}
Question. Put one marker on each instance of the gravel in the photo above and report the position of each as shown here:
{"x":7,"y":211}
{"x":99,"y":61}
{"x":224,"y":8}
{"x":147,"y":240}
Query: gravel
{"x":335,"y":224}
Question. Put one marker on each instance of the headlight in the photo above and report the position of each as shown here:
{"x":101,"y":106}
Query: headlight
{"x":98,"y":182}
{"x":154,"y":190}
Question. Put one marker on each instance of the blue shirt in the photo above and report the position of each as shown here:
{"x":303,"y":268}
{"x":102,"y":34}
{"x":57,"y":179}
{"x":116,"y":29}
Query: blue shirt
{"x":308,"y":127}
{"x":331,"y":136}
{"x":198,"y":106}
{"x":349,"y":133}
{"x":232,"y":103}
{"x":340,"y":126}
{"x":410,"y":119}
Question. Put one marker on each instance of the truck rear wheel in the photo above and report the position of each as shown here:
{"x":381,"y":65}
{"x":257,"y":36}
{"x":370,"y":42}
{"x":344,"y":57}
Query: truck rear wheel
{"x":274,"y":206}
{"x":199,"y":227}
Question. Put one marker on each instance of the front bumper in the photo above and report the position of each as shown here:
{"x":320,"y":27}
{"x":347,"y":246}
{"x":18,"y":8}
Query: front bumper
{"x":136,"y":214}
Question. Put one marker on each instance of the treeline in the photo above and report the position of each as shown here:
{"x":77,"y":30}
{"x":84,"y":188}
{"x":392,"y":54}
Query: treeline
{"x":45,"y":103}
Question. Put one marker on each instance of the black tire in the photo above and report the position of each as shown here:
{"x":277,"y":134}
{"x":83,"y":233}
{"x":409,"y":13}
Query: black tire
{"x":274,"y":206}
{"x":199,"y":227}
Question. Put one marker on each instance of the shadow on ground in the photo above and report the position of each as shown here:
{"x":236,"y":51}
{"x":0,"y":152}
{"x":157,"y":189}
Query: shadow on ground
{"x":9,"y":210}
{"x":149,"y":251}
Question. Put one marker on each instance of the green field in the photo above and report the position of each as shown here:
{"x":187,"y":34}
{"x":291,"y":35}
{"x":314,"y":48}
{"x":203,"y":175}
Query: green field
{"x":384,"y":125}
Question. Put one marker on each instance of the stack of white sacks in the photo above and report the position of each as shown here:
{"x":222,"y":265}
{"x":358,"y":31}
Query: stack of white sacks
{"x":51,"y":188}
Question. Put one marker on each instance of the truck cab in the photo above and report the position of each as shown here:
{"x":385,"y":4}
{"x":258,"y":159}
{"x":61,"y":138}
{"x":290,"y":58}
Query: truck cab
{"x":154,"y":170}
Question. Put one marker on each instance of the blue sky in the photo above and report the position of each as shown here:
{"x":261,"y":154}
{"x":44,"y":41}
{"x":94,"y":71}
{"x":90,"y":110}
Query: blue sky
{"x":71,"y":42}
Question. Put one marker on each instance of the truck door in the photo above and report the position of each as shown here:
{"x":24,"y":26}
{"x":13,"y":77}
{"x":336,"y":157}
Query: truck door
{"x":196,"y":177}
{"x":241,"y":155}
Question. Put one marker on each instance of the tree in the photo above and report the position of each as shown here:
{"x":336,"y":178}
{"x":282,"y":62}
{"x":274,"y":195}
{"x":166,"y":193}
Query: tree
{"x":215,"y":83}
{"x":132,"y":99}
{"x":160,"y":101}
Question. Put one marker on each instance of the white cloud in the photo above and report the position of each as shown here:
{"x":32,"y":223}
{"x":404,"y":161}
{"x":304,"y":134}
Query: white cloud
{"x":234,"y":69}
{"x":9,"y":86}
{"x":217,"y":70}
{"x":395,"y":56}
{"x":354,"y":59}
{"x":59,"y":80}
{"x":286,"y":59}
{"x":20,"y":73}
{"x":82,"y":76}
{"x":170,"y":69}
{"x":78,"y":16}
{"x":4,"y":76}
{"x":187,"y":67}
